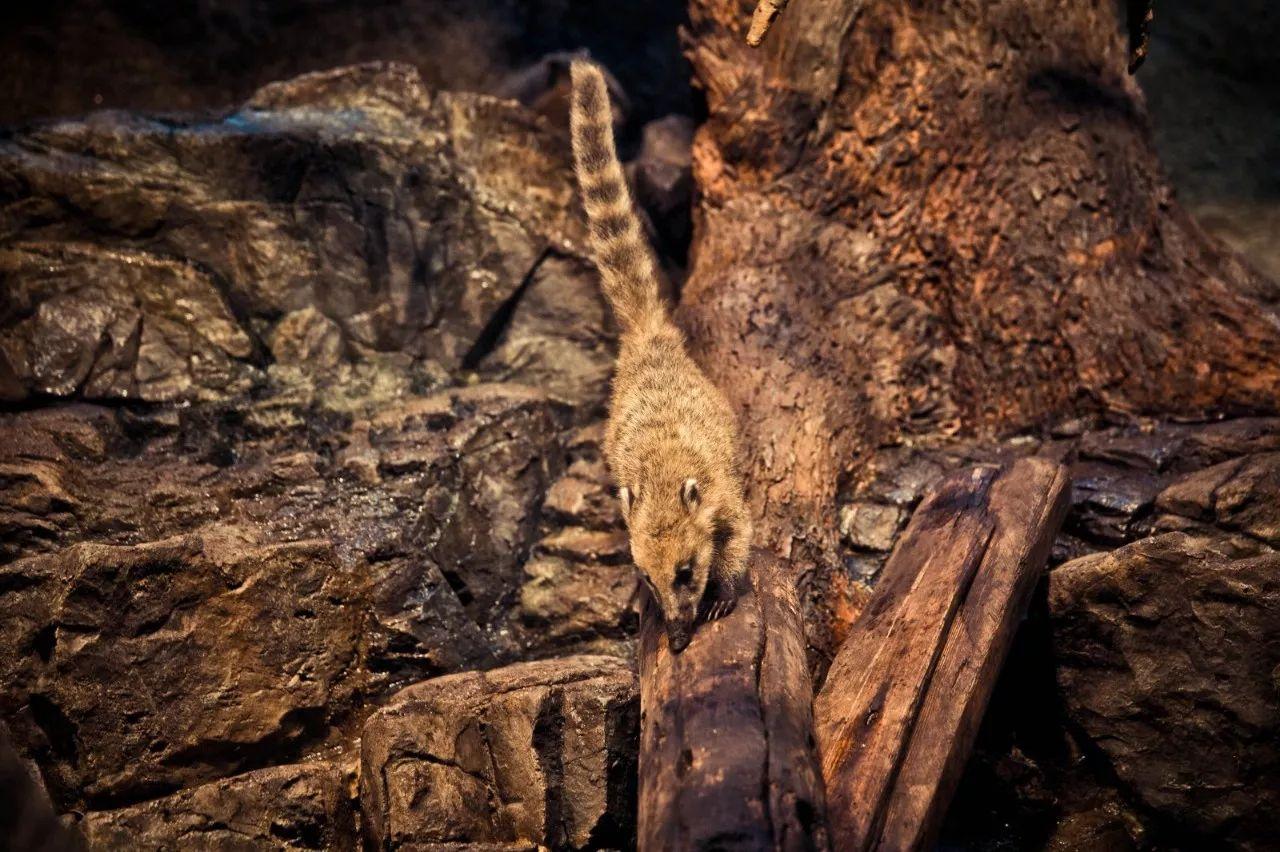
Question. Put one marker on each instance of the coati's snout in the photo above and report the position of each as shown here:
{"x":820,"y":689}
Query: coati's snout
{"x":678,"y":635}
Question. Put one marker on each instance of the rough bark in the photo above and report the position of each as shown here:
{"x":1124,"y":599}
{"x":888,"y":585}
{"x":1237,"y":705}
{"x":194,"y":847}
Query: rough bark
{"x":924,"y":218}
{"x":725,"y":750}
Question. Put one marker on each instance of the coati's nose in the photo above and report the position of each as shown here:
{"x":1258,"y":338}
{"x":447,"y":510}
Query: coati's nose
{"x":684,"y":574}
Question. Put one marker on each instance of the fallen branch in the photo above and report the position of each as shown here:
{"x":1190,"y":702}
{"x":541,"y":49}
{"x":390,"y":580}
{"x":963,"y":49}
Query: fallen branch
{"x":767,"y":11}
{"x":897,"y":716}
{"x":725,"y":751}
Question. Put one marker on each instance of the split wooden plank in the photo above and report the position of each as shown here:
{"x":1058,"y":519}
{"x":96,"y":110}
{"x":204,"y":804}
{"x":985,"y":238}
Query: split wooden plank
{"x":894,"y":721}
{"x":726,"y":759}
{"x":878,"y":679}
{"x":1028,"y":507}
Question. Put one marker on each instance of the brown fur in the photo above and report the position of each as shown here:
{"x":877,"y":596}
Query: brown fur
{"x":671,"y":441}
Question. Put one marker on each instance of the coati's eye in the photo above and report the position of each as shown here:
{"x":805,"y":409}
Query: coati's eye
{"x":689,"y":493}
{"x":684,"y":574}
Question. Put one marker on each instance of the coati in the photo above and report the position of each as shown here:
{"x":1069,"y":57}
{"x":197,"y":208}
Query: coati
{"x":671,"y":441}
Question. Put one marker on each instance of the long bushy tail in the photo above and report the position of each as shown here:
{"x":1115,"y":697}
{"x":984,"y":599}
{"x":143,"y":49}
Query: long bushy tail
{"x":621,"y":250}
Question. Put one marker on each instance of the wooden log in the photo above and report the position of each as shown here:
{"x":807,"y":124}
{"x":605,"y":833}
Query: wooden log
{"x":896,"y":718}
{"x":726,"y":756}
{"x":762,"y":19}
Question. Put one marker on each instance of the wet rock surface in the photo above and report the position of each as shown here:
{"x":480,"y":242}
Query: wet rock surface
{"x":289,"y":392}
{"x":405,"y":218}
{"x":542,"y":751}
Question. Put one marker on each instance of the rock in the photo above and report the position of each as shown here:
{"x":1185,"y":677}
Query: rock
{"x":1151,"y":450}
{"x":575,"y":498}
{"x":559,"y":336}
{"x":434,"y":498}
{"x":579,"y":585}
{"x":479,"y":506}
{"x":539,"y":752}
{"x":1109,"y":501}
{"x":136,"y":670}
{"x":1105,"y":828}
{"x":870,"y":526}
{"x":1211,"y":443}
{"x":298,"y":806}
{"x":410,"y":218}
{"x":1241,"y":495}
{"x":663,"y":176}
{"x":583,"y":496}
{"x":307,"y":338}
{"x":576,"y":598}
{"x":27,"y":819}
{"x":1168,"y":651}
{"x":99,"y":322}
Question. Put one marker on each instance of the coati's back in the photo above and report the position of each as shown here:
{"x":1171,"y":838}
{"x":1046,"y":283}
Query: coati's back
{"x":671,"y":439}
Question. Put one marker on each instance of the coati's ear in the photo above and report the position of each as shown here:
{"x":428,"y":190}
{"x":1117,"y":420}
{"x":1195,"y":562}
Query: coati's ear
{"x":625,"y":498}
{"x":689,"y":494}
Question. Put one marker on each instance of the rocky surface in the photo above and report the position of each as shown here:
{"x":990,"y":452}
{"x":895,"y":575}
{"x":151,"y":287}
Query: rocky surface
{"x":405,"y":218}
{"x":300,"y":806}
{"x":578,"y":585}
{"x":541,"y":751}
{"x":1168,"y":656}
{"x":142,"y":669}
{"x":289,"y":392}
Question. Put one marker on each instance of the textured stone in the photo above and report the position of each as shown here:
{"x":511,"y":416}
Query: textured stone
{"x":407,"y":217}
{"x":434,"y":498}
{"x":535,"y":752}
{"x":870,"y":526}
{"x":83,"y":320}
{"x":139,"y":669}
{"x":299,"y":806}
{"x":1168,"y":651}
{"x":565,"y":599}
{"x":308,"y":338}
{"x":1241,"y":495}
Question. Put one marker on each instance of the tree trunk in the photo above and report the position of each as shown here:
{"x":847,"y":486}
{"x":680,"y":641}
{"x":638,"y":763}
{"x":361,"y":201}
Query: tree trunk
{"x":924,"y":218}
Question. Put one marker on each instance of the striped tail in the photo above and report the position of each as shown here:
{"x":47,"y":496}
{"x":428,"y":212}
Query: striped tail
{"x":621,"y":251}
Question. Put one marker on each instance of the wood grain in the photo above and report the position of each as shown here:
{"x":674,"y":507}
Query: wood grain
{"x":895,"y":720}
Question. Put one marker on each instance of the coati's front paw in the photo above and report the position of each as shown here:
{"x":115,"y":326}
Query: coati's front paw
{"x":720,"y":608}
{"x":722,"y":597}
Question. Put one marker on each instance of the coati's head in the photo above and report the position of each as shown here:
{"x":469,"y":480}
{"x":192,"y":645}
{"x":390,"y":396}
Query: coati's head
{"x":676,"y":535}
